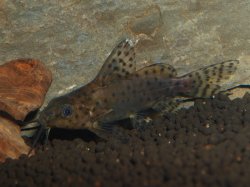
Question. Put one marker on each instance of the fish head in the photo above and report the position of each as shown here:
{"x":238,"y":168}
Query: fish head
{"x":62,"y":112}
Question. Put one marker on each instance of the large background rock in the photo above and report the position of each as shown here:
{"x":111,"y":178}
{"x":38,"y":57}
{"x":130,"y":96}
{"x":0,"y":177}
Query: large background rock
{"x":73,"y":37}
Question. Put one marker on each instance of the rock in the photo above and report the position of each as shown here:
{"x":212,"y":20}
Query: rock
{"x":23,"y":85}
{"x":146,"y":24}
{"x":74,"y":37}
{"x":11,"y":143}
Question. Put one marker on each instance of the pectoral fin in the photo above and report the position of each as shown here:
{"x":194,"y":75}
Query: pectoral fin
{"x":103,"y":130}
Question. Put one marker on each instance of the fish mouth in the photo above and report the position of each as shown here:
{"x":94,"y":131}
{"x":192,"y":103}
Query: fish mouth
{"x":41,"y":131}
{"x":39,"y":127}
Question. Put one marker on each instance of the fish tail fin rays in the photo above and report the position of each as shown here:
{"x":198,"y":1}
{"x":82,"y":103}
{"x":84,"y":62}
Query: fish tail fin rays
{"x":205,"y":81}
{"x":120,"y":63}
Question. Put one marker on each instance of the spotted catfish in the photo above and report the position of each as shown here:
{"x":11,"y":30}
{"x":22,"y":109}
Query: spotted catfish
{"x":120,"y":91}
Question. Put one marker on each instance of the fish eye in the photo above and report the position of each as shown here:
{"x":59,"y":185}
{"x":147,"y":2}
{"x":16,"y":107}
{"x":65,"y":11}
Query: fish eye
{"x":67,"y":110}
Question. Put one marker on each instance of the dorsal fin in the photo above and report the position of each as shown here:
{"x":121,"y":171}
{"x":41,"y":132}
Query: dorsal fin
{"x":120,"y":63}
{"x":158,"y":69}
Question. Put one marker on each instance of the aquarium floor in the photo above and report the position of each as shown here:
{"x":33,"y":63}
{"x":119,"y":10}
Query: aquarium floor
{"x":205,"y":145}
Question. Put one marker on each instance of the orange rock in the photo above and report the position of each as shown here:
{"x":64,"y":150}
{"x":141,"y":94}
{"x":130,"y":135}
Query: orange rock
{"x":11,"y":143}
{"x":23,"y":85}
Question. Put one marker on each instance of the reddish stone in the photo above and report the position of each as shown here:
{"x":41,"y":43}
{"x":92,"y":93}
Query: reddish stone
{"x":11,"y":143}
{"x":23,"y":85}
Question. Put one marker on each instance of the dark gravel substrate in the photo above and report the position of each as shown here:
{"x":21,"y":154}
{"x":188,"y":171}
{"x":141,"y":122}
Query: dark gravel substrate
{"x":206,"y":145}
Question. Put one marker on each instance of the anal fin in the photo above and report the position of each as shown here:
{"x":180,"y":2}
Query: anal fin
{"x":140,"y":121}
{"x":166,"y":105}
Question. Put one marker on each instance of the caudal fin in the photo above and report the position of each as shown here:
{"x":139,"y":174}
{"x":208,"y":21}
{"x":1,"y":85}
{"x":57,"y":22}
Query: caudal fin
{"x":205,"y":82}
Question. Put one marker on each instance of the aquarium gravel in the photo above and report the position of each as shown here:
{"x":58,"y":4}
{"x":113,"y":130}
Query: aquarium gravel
{"x":205,"y":145}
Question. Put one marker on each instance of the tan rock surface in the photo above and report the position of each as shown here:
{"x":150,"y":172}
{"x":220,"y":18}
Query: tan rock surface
{"x":74,"y":37}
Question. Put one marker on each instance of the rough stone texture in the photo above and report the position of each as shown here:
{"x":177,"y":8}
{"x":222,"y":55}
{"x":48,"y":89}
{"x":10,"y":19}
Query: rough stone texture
{"x":74,"y":37}
{"x":205,"y":145}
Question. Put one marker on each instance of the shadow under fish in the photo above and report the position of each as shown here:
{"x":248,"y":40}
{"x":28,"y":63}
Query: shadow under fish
{"x":119,"y":91}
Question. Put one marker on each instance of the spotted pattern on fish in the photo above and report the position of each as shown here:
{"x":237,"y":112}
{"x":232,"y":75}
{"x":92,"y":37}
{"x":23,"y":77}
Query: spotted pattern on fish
{"x":205,"y":81}
{"x":120,"y":91}
{"x":157,"y":70}
{"x":120,"y":63}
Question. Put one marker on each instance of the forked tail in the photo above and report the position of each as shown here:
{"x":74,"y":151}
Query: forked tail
{"x":205,"y":81}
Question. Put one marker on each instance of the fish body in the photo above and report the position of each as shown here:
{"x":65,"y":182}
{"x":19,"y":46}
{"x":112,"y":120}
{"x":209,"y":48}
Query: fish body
{"x":120,"y":91}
